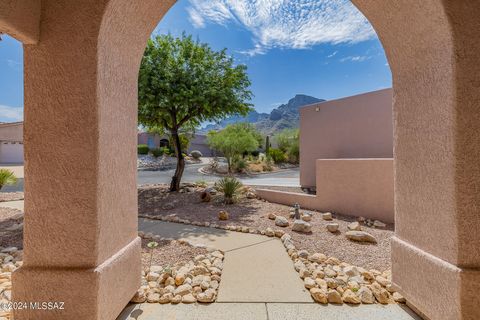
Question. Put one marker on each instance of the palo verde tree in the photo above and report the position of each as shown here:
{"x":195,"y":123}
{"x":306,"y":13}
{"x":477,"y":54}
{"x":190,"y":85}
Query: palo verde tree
{"x":183,"y":83}
{"x":234,"y":140}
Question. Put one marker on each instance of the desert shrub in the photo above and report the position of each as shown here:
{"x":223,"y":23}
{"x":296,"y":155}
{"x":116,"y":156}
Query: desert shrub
{"x":267,"y":164}
{"x":201,"y":183}
{"x":288,"y":141}
{"x":142,"y":149}
{"x":239,"y":164}
{"x":196,"y":154}
{"x":293,"y":153}
{"x":157,"y":152}
{"x":7,"y":177}
{"x":230,"y":187}
{"x":277,"y":155}
{"x":166,"y":151}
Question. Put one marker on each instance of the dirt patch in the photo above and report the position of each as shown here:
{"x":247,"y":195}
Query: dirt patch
{"x":156,"y":200}
{"x":168,"y":253}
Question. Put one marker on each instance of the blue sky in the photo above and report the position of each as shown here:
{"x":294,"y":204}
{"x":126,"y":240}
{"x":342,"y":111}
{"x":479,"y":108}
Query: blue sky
{"x":323,"y":48}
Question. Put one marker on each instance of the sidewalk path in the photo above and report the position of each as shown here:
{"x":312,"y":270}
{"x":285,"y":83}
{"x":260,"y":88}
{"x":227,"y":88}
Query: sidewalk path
{"x":18,"y":204}
{"x":258,"y":282}
{"x":256,"y":268}
{"x":266,"y":311}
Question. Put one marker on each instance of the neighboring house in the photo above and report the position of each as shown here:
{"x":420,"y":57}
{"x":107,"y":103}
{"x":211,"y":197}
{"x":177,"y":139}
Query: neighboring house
{"x":199,"y":142}
{"x":153,"y":140}
{"x":346,"y":156}
{"x":11,"y":142}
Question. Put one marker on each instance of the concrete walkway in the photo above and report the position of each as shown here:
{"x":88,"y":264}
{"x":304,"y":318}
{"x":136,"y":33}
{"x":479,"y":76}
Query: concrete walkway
{"x":18,"y":204}
{"x":256,"y":268}
{"x":258,"y":282}
{"x":266,"y":311}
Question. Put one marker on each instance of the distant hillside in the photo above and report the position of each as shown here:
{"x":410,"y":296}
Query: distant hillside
{"x":285,"y":116}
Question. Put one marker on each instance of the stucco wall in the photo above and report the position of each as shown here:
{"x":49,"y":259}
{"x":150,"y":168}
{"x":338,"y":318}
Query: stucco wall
{"x":354,"y":127}
{"x":355,"y":187}
{"x":358,"y":187}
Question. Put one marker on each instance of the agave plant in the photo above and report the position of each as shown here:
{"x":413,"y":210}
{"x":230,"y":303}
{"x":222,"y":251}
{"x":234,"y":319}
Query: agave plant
{"x":229,"y":186}
{"x":7,"y":177}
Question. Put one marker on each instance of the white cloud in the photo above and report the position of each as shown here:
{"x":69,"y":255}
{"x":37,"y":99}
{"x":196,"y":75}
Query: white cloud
{"x":285,"y":23}
{"x":355,"y":58}
{"x":332,"y":54}
{"x":9,"y":114}
{"x":13,"y":64}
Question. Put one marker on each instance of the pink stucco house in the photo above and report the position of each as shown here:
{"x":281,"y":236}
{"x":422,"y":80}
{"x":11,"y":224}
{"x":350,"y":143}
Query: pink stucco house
{"x":346,"y":156}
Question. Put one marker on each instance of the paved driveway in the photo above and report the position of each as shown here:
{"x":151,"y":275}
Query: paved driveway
{"x":285,"y":178}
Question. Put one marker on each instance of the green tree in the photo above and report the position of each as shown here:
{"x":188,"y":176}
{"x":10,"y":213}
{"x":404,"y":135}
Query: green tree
{"x":288,"y":141}
{"x":183,"y":83}
{"x":233,"y":141}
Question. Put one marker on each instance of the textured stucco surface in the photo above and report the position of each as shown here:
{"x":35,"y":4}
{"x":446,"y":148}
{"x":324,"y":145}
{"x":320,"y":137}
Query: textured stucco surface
{"x":437,"y":288}
{"x":97,"y":293}
{"x":354,"y":187}
{"x":21,"y":19}
{"x":353,"y":127}
{"x":80,"y":79}
{"x":358,"y":187}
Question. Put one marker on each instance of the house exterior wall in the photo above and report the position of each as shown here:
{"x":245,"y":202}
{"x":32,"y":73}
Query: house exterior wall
{"x":11,"y":142}
{"x":354,"y":127}
{"x":199,"y":142}
{"x":354,"y":187}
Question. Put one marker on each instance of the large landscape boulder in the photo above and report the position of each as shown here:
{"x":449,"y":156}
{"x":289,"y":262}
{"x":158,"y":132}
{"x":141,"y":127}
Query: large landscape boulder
{"x":302,"y":226}
{"x":281,"y":221}
{"x":360,"y":236}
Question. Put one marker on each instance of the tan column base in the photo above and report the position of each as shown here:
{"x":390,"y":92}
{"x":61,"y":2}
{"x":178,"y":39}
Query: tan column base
{"x":439,"y":289}
{"x":93,"y":294}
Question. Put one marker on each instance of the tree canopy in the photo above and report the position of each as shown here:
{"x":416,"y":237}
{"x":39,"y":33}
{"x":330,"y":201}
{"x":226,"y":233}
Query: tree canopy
{"x":234,"y":140}
{"x":183,"y":83}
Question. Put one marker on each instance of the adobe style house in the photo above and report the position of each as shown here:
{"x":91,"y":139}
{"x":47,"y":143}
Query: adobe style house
{"x":198,"y":142}
{"x":11,"y":142}
{"x":81,"y":246}
{"x":346,"y":157}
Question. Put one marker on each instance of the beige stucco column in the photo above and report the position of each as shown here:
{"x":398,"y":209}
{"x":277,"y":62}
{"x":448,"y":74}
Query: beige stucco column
{"x":433,"y":48}
{"x":80,"y":235}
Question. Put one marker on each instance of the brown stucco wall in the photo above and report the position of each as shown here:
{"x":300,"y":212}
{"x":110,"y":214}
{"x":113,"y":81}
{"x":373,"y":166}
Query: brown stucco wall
{"x":354,"y":127}
{"x":21,"y":19}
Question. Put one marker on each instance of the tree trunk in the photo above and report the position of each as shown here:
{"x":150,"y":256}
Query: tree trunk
{"x":175,"y":184}
{"x":229,"y":164}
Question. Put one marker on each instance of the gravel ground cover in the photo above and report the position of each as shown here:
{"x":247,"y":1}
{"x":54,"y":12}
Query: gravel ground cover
{"x":156,"y":200}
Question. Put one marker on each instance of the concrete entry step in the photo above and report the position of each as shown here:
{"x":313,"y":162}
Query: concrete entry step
{"x":266,"y":311}
{"x":261,"y":273}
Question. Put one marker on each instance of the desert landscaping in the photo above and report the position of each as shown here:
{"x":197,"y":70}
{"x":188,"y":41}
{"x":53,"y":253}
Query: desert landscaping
{"x":340,"y":259}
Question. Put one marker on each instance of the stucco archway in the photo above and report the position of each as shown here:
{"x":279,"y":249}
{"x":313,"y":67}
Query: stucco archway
{"x":81,"y":65}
